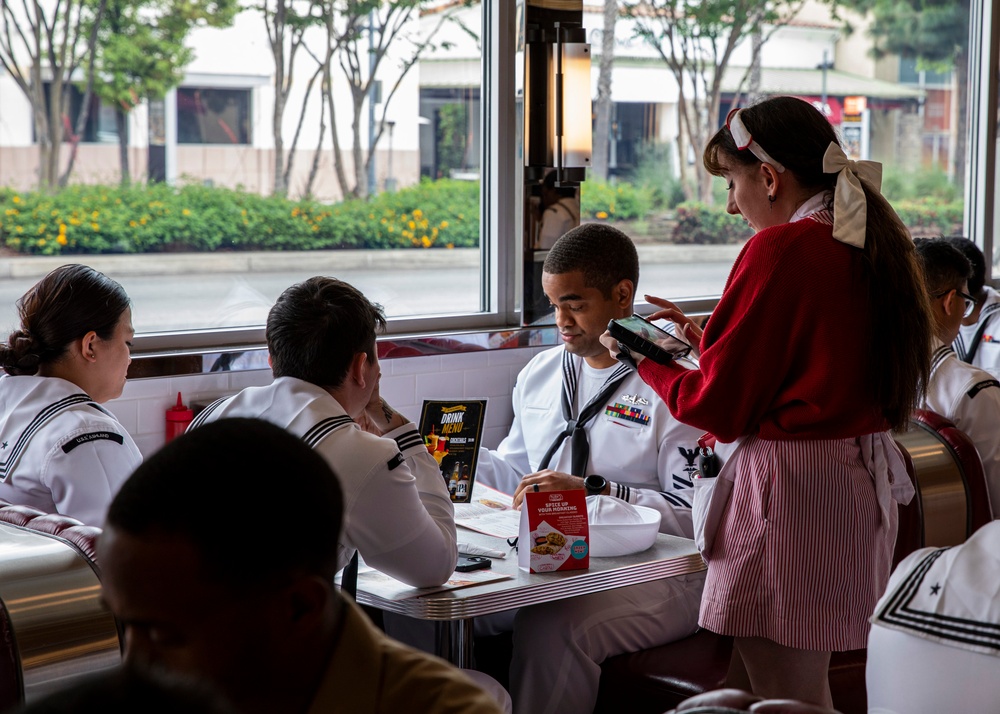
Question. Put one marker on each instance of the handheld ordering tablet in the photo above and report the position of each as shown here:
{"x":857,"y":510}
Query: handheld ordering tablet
{"x":642,"y":336}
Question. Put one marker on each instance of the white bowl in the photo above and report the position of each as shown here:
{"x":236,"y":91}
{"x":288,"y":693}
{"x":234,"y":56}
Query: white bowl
{"x":609,"y":540}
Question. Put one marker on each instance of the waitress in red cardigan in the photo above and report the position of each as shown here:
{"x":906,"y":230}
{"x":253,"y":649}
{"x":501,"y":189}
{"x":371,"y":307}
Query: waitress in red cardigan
{"x":816,"y":350}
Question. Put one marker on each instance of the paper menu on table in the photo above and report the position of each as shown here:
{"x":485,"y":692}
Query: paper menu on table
{"x":490,"y":512}
{"x":381,"y":585}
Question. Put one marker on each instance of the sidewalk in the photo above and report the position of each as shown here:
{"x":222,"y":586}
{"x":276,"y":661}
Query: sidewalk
{"x":317,"y":261}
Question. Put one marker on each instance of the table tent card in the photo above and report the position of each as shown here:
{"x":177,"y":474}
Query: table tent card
{"x":554,"y":531}
{"x":452,"y":432}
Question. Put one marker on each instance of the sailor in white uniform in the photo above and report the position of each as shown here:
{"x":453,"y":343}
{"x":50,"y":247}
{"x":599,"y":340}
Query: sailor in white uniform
{"x":60,"y":450}
{"x":628,"y":445}
{"x":935,"y":640}
{"x":978,"y":341}
{"x":397,"y":511}
{"x":966,"y":395}
{"x":970,"y":398}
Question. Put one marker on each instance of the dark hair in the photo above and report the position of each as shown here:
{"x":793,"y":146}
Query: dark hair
{"x":604,"y":255}
{"x":128,"y":689}
{"x":63,"y":306}
{"x":944,"y":266}
{"x":317,"y":326}
{"x":977,"y":278}
{"x":790,"y":130}
{"x":220,"y":486}
{"x":797,"y":135}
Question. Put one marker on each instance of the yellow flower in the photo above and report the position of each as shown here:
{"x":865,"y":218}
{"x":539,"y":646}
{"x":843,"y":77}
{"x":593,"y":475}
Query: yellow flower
{"x":94,"y":215}
{"x":412,"y":225}
{"x":424,"y":224}
{"x":133,"y":224}
{"x":185,"y":212}
{"x":371,"y":216}
{"x":602,"y":215}
{"x":16,"y":199}
{"x":417,"y":213}
{"x":61,"y":240}
{"x":243,"y":213}
{"x":295,"y":212}
{"x":426,"y":241}
{"x":434,"y":232}
{"x":449,"y":246}
{"x":444,"y":224}
{"x":95,"y":227}
{"x":62,"y":229}
{"x":18,"y":229}
{"x":41,"y":242}
{"x":75,"y":221}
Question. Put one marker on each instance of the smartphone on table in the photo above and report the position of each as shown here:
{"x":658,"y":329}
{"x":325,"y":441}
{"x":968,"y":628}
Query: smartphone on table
{"x":472,"y":562}
{"x":638,"y":334}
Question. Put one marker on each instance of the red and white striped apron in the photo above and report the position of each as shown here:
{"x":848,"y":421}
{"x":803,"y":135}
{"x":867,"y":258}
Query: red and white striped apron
{"x":804,"y":548}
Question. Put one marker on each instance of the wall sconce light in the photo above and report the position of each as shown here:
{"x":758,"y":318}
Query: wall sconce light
{"x":557,"y":103}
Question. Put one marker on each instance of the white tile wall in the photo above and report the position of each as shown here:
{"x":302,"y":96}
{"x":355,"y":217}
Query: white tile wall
{"x":406,"y":382}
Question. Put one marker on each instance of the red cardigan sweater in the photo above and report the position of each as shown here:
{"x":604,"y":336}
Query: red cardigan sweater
{"x":784,"y":355}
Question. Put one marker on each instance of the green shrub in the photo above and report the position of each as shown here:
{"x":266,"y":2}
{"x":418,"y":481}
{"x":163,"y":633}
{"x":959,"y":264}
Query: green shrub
{"x":158,"y":218}
{"x":655,"y":172}
{"x":700,"y":224}
{"x":900,"y":185}
{"x":619,"y":200}
{"x":928,"y":217}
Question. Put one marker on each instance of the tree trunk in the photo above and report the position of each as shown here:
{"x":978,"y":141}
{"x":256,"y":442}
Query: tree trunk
{"x":753,"y":91}
{"x":121,"y":124}
{"x":314,"y":169}
{"x":338,"y":159}
{"x":360,"y":184}
{"x":602,"y":129}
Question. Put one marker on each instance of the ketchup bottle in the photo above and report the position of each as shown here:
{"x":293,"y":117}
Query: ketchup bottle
{"x":178,"y":418}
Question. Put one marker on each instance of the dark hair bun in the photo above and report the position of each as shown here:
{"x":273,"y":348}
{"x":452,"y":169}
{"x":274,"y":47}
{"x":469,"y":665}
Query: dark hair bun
{"x":21,"y":355}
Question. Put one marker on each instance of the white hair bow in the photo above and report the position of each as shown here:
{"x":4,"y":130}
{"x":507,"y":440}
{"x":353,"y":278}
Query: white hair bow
{"x":850,"y":207}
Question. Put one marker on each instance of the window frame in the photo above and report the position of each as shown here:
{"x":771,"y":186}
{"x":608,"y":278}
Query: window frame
{"x":501,"y":173}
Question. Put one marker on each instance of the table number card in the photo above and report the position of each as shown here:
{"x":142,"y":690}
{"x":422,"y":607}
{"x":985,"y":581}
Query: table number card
{"x":554,"y":532}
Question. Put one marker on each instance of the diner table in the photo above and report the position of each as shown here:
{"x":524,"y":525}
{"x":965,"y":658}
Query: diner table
{"x":455,"y":609}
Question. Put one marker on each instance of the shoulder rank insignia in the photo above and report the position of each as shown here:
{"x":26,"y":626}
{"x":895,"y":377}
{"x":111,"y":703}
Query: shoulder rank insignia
{"x":92,"y":436}
{"x":980,"y":386}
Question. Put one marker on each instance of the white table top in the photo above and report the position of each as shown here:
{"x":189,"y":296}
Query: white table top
{"x":669,"y":556}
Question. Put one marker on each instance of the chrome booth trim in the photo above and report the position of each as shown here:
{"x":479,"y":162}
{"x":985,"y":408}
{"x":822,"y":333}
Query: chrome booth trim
{"x":51,"y":594}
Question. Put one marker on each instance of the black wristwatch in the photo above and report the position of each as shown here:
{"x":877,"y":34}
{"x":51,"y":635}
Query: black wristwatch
{"x":595,"y":484}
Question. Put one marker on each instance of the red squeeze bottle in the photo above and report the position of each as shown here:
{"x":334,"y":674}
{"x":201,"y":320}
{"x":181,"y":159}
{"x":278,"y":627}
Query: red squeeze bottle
{"x":178,"y":418}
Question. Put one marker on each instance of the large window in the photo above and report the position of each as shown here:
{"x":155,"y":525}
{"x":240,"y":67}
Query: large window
{"x":385,"y":150}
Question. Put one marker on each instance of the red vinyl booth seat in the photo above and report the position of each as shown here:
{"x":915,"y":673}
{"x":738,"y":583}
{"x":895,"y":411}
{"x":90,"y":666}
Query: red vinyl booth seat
{"x":972,"y":491}
{"x":79,"y":535}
